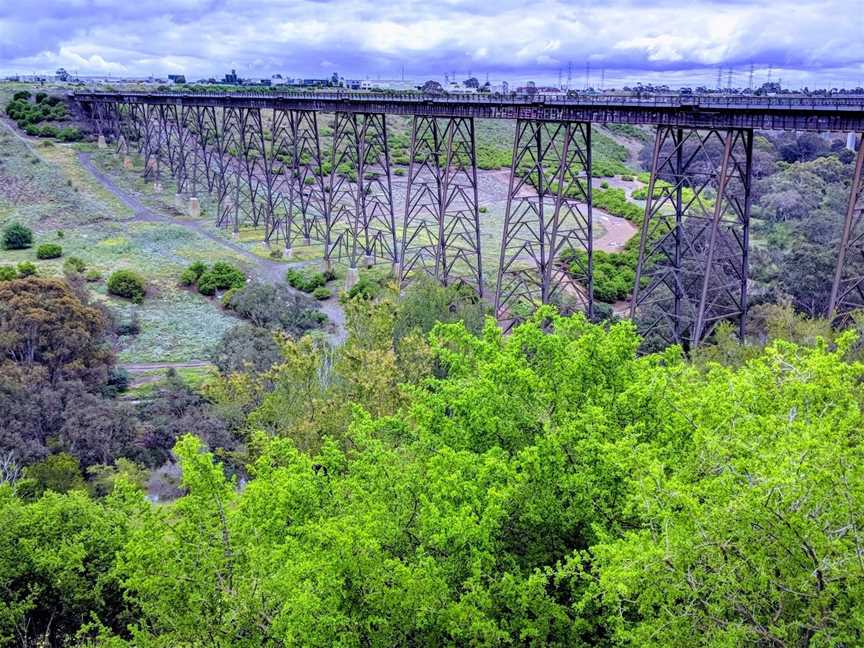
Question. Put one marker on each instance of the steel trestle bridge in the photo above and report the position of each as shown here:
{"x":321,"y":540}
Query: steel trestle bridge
{"x":262,"y":156}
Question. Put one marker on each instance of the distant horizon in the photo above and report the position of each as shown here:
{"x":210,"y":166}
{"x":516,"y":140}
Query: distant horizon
{"x":811,"y":43}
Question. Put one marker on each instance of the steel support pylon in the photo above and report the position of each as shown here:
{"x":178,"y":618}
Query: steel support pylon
{"x":359,"y":220}
{"x":548,"y":216}
{"x":847,"y":290}
{"x":693,"y":251}
{"x":441,"y":229}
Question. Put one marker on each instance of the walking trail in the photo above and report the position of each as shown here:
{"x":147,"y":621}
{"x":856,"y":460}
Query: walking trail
{"x":264,"y":269}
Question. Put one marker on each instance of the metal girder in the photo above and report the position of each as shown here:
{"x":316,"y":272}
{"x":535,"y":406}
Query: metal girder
{"x":548,"y":217}
{"x":847,"y":290}
{"x":441,"y":229}
{"x":359,"y":220}
{"x":693,"y":252}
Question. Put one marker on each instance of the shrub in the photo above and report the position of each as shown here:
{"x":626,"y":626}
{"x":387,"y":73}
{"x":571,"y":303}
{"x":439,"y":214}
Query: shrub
{"x":276,"y":253}
{"x":270,"y":306}
{"x":192,"y":274}
{"x":17,"y":237}
{"x":92,"y":275}
{"x":74,"y":265}
{"x":322,"y":292}
{"x":222,"y":276}
{"x":366,"y":288}
{"x":26,"y":269}
{"x":69,"y":134}
{"x":227,"y":297}
{"x":128,"y":284}
{"x":305,"y":280}
{"x":8,"y":273}
{"x":49,"y":251}
{"x":207,"y":285}
{"x":130,"y":327}
{"x":483,"y":210}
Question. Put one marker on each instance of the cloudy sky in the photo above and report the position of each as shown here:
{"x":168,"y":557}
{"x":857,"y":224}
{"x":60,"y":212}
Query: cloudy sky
{"x":812,"y":42}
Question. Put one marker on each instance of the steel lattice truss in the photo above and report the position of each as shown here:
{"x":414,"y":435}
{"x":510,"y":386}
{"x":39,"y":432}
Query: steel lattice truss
{"x":360,"y":220}
{"x":441,"y":229}
{"x":263,"y":166}
{"x":548,"y":215}
{"x":261,"y":159}
{"x":692,"y":269}
{"x":847,"y":291}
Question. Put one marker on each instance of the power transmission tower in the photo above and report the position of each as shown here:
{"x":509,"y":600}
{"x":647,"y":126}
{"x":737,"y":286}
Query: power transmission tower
{"x":750,"y":83}
{"x":587,"y":74}
{"x":569,"y":74}
{"x":602,"y":78}
{"x":729,"y":80}
{"x":560,"y":87}
{"x":720,"y":78}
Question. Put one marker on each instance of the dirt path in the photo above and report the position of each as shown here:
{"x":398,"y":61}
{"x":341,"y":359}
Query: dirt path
{"x":264,"y":269}
{"x":617,"y":232}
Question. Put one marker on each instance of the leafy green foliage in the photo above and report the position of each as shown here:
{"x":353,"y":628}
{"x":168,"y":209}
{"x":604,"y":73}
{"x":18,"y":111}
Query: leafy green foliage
{"x":74,"y":265}
{"x":27,"y":269}
{"x":548,"y":487}
{"x":49,"y":251}
{"x":128,"y":284}
{"x":306,"y":280}
{"x":222,"y":276}
{"x":17,"y":237}
{"x":270,"y":306}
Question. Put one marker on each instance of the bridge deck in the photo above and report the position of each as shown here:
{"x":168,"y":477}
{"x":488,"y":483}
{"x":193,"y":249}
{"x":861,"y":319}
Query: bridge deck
{"x":687,"y":111}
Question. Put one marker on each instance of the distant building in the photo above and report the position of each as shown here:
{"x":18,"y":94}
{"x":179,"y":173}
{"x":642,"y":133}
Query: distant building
{"x":176,"y":78}
{"x":231,"y":78}
{"x":61,"y":75}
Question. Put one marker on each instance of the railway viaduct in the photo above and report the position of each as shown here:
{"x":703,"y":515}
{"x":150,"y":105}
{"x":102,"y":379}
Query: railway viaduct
{"x":261,"y":156}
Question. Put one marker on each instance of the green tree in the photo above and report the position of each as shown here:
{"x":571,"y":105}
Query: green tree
{"x":17,"y":237}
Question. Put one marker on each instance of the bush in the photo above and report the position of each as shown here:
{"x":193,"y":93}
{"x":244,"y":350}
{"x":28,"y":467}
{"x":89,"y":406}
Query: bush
{"x":188,"y":277}
{"x":366,"y":287}
{"x":222,"y":276}
{"x":269,"y":306}
{"x":8,"y":273}
{"x":69,"y":134}
{"x":130,"y":327}
{"x":49,"y":251}
{"x":483,"y":210}
{"x":74,"y":265}
{"x":276,"y":253}
{"x":322,"y":292}
{"x":17,"y":237}
{"x":305,"y":280}
{"x":92,"y":275}
{"x":26,"y":269}
{"x":128,"y":284}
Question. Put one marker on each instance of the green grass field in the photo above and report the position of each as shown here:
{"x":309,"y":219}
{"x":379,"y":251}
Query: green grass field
{"x":46,"y":189}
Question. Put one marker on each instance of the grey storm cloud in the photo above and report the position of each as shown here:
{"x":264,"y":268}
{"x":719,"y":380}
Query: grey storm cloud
{"x":381,"y":37}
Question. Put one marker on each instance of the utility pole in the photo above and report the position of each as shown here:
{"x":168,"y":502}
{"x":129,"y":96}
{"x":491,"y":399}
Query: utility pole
{"x":602,"y":78}
{"x":587,"y":74}
{"x":569,"y":74}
